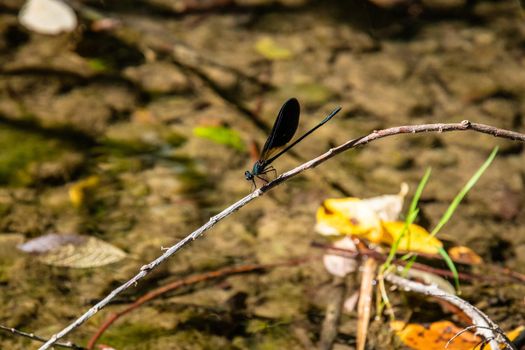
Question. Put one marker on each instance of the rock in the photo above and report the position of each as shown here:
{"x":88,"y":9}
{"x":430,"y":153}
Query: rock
{"x":502,"y":109}
{"x":158,"y":77}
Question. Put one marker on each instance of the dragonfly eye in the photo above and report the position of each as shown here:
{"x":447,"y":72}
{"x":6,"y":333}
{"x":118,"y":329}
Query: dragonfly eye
{"x":248,"y":176}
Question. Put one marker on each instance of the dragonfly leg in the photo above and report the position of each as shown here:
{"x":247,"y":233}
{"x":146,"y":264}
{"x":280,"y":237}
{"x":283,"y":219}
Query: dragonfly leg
{"x":263,"y":175}
{"x":270,"y":169}
{"x":262,"y":178}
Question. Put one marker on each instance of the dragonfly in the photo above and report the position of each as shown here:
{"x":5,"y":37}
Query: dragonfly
{"x":282,"y":133}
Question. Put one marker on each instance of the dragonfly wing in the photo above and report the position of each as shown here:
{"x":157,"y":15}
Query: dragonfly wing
{"x":283,"y":129}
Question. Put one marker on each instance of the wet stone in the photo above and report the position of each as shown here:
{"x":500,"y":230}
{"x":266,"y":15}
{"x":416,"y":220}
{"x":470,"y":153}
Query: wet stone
{"x":469,"y":86}
{"x":51,"y":54}
{"x":501,"y":108}
{"x":158,"y":77}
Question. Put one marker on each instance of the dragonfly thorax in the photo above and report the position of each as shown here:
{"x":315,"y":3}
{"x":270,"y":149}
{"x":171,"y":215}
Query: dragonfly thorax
{"x":258,"y":167}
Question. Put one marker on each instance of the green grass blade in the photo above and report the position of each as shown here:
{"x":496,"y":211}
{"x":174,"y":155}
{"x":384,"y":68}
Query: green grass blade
{"x":451,"y":266}
{"x":453,"y":206}
{"x":411,"y":216}
{"x":419,"y":191}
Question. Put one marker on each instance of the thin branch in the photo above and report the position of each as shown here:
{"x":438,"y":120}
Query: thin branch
{"x":34,"y":337}
{"x":375,"y":135}
{"x":484,"y":325}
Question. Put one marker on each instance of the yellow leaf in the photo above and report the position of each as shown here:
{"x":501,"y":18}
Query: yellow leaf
{"x":348,"y":216}
{"x":268,"y":48}
{"x":78,"y":189}
{"x":360,"y":217}
{"x":513,"y":334}
{"x":415,"y":239}
{"x":388,"y":207}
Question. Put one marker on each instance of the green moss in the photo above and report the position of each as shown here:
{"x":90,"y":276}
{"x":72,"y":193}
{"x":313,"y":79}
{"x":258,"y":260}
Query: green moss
{"x":131,"y":336}
{"x":99,"y":64}
{"x":21,"y":150}
{"x":266,"y":336}
{"x":144,"y":337}
{"x":127,"y":139}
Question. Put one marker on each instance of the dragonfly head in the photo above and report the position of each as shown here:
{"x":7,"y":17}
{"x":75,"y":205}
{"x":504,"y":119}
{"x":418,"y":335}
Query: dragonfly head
{"x":248,"y":176}
{"x":257,"y":169}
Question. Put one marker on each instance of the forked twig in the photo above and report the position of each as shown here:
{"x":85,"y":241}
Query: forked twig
{"x":375,"y":135}
{"x":484,"y":325}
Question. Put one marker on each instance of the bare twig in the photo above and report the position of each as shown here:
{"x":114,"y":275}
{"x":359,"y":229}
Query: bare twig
{"x":484,"y":325}
{"x":378,"y":134}
{"x":34,"y":337}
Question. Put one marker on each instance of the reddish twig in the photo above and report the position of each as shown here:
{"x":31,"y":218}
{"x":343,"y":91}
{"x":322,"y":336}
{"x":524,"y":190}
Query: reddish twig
{"x":365,"y":251}
{"x":201,"y":277}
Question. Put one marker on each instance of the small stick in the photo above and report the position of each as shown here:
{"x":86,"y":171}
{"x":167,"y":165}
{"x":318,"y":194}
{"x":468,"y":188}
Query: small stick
{"x":34,"y":337}
{"x":364,"y":306}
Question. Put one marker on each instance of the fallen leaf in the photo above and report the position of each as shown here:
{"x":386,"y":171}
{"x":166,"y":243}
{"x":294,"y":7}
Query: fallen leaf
{"x":78,"y":190}
{"x":268,"y":48}
{"x":77,"y":251}
{"x":360,"y":217}
{"x":388,"y":207}
{"x":465,"y":255}
{"x":348,"y":216}
{"x":338,"y":265}
{"x":415,"y":239}
{"x":437,"y":335}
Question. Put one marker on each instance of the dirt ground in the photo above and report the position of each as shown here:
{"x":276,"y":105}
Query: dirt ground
{"x":126,"y":105}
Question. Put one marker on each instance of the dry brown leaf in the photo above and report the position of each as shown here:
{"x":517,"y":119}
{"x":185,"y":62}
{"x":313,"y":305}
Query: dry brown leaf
{"x":77,"y":251}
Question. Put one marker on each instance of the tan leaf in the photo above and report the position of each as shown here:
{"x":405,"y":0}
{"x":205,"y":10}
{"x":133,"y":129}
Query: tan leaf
{"x":77,"y":251}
